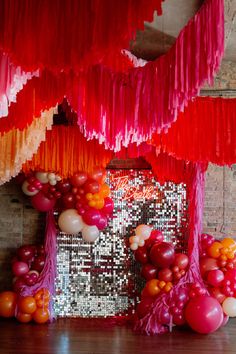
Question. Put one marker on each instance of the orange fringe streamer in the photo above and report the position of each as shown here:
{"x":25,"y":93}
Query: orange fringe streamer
{"x":66,"y":151}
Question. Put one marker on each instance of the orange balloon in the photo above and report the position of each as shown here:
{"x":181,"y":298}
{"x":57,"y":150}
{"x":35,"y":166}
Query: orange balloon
{"x":89,"y":196}
{"x":214,"y":250}
{"x":99,"y":204}
{"x":43,"y":294}
{"x":42,"y":303}
{"x":92,"y":203}
{"x":152,"y":287}
{"x":162,"y":284}
{"x":228,"y":242}
{"x":105,"y":190}
{"x":24,"y":317}
{"x":41,"y":316}
{"x":7,"y":304}
{"x":27,"y":304}
{"x":168,"y":287}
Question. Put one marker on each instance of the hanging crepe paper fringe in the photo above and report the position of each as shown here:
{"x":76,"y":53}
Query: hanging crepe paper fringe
{"x":48,"y":275}
{"x":150,"y":324}
{"x":118,"y":108}
{"x":65,"y":151}
{"x":213,"y":121}
{"x":16,"y":147}
{"x":70,"y":33}
{"x":12,"y":81}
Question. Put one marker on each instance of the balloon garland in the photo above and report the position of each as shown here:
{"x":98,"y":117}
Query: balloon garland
{"x":82,"y":200}
{"x":26,"y":267}
{"x":204,"y":307}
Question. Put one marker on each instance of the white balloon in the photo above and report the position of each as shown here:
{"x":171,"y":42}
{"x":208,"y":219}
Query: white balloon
{"x":51,"y":176}
{"x":90,"y":233}
{"x":229,"y":306}
{"x":134,"y":239}
{"x":42,"y":176}
{"x":134,"y":246}
{"x":52,"y":182}
{"x":70,"y":221}
{"x":25,"y":189}
{"x":58,"y":178}
{"x":143,"y":231}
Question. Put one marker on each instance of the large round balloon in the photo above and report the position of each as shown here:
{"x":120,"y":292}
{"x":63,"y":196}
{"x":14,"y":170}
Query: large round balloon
{"x":70,"y":221}
{"x":42,"y":177}
{"x":91,"y":216}
{"x":41,"y":315}
{"x":25,"y":189}
{"x":42,"y":203}
{"x":204,"y":314}
{"x":7,"y":303}
{"x":162,"y":254}
{"x":108,"y":206}
{"x":78,"y":179}
{"x":27,"y":304}
{"x":20,"y":268}
{"x":90,"y":233}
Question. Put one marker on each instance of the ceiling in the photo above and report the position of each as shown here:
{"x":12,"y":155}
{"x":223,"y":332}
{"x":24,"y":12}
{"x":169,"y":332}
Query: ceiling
{"x":160,"y":34}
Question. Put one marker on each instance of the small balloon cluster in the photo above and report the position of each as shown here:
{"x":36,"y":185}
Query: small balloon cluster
{"x":218,"y":269}
{"x":82,"y":200}
{"x":27,"y":266}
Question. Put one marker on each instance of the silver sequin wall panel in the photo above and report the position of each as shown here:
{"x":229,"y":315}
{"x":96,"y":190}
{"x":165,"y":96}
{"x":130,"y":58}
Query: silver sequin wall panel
{"x":102,"y":279}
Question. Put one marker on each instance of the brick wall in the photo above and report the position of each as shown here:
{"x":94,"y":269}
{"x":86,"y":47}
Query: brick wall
{"x":21,"y":224}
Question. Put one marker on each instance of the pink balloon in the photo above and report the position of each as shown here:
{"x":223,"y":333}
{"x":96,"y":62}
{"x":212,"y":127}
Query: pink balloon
{"x":20,"y":268}
{"x":162,"y":254}
{"x":91,"y":216}
{"x":102,"y":222}
{"x":204,"y":314}
{"x":42,"y":203}
{"x":108,"y":206}
{"x":215,"y":277}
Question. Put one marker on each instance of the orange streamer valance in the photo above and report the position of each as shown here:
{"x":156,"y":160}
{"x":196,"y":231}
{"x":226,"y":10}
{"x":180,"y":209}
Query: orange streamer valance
{"x":66,"y":151}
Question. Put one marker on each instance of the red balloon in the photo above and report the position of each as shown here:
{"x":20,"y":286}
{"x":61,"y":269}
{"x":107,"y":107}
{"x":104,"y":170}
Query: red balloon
{"x":144,"y":307}
{"x":207,"y":264}
{"x":141,"y":255}
{"x":63,"y":186}
{"x":164,"y":316}
{"x":215,"y":277}
{"x":26,"y":253}
{"x":165,"y":274}
{"x":108,"y":206}
{"x":30,"y":279}
{"x":91,"y":216}
{"x":98,"y":174}
{"x":42,"y":203}
{"x":78,"y":179}
{"x":149,"y":271}
{"x":92,"y":186}
{"x":68,"y":201}
{"x":38,"y":263}
{"x":20,"y":268}
{"x":204,"y":314}
{"x":156,"y":236}
{"x":40,"y":250}
{"x":181,"y":260}
{"x":18,"y":285}
{"x":162,"y":254}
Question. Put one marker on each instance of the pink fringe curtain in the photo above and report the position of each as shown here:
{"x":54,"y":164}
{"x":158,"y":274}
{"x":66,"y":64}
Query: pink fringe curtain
{"x":48,"y":274}
{"x":119,"y":108}
{"x":150,"y":323}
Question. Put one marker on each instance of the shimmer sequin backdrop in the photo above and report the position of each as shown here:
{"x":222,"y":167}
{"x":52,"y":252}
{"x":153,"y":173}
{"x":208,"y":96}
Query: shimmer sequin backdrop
{"x":102,"y":279}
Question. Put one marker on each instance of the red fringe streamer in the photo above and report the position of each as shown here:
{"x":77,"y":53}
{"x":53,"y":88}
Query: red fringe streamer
{"x":205,"y":132}
{"x":64,"y":34}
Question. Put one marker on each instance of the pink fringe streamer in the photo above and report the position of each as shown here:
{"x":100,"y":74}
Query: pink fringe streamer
{"x":150,"y":324}
{"x":48,"y":274}
{"x":121,"y":108}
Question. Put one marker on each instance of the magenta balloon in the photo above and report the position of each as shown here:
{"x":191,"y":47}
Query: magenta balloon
{"x":156,"y":236}
{"x":63,"y":186}
{"x":108,"y":206}
{"x":164,"y":316}
{"x":91,"y":216}
{"x":182,"y":295}
{"x":204,"y":314}
{"x":215,"y":277}
{"x":42,"y":203}
{"x":18,"y":285}
{"x":162,"y":254}
{"x":20,"y":268}
{"x":102,"y":222}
